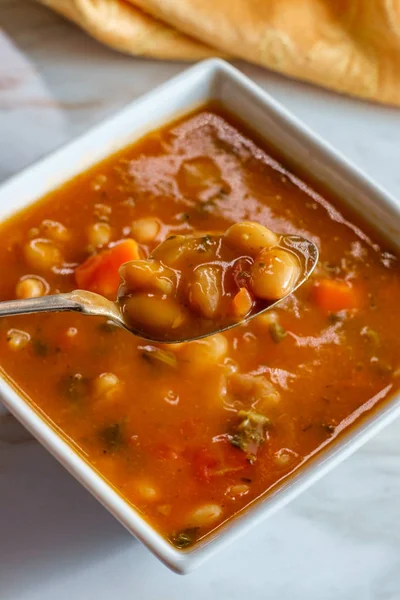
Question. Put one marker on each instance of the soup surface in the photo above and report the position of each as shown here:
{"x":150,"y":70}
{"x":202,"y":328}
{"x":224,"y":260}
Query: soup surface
{"x":190,"y":434}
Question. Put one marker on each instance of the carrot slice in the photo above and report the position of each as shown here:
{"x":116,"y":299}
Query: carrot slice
{"x":100,"y":272}
{"x":333,"y":295}
{"x":242,"y":302}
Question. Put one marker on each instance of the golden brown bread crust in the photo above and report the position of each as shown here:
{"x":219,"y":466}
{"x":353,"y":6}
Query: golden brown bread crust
{"x":351,"y":46}
{"x":128,"y":29}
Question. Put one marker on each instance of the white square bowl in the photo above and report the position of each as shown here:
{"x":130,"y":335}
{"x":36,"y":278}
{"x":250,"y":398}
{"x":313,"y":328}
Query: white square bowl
{"x":209,"y":80}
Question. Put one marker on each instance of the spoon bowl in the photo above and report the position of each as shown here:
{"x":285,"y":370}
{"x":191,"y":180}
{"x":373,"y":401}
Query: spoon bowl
{"x":91,"y":304}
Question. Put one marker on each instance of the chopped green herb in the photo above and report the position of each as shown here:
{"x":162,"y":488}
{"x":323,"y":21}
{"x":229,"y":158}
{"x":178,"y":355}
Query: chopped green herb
{"x":112,"y":436}
{"x":156,"y":356}
{"x":40,"y":348}
{"x":307,"y":427}
{"x":277,"y":332}
{"x":184,"y":538}
{"x":249,"y":434}
{"x":74,"y":387}
{"x":243,"y":275}
{"x":334,"y":318}
{"x":205,"y":244}
{"x":329,"y":428}
{"x":371,"y":336}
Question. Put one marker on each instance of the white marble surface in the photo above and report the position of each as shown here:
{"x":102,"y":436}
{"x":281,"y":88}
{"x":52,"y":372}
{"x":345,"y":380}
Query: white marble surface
{"x":338,"y":541}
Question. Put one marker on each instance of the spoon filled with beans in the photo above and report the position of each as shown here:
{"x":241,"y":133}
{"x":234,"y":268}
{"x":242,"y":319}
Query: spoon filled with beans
{"x":191,"y":286}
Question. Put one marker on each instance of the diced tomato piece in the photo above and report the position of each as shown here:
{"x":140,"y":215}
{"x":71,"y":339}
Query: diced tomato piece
{"x":100,"y":272}
{"x":218,"y":461}
{"x":203,"y":463}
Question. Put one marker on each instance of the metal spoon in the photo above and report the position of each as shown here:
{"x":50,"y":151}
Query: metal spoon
{"x":95,"y":305}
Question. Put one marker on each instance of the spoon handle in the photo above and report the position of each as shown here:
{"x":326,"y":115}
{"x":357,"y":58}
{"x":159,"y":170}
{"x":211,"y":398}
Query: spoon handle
{"x":53,"y":303}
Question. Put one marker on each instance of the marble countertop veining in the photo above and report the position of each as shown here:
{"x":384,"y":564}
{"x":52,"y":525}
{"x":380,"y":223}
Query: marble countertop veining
{"x":341,"y":539}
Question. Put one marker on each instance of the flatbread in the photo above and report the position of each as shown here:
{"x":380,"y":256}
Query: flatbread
{"x":351,"y":46}
{"x":128,"y":29}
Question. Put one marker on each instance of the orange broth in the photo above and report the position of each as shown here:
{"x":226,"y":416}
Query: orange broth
{"x":164,"y":435}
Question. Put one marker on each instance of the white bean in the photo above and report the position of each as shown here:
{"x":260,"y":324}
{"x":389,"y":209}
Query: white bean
{"x":274,"y":274}
{"x":30,"y":287}
{"x":157,"y":313}
{"x":99,"y":234}
{"x":149,"y":275}
{"x":55,"y":231}
{"x":42,"y":254}
{"x":105,"y":384}
{"x":204,"y":290}
{"x":201,"y":354}
{"x":205,"y":515}
{"x":146,"y":491}
{"x":145,"y":230}
{"x":250,"y":237}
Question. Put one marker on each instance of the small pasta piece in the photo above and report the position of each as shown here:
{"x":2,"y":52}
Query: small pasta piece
{"x":145,"y":230}
{"x":99,"y":234}
{"x":55,"y":231}
{"x":71,"y":332}
{"x":274,"y":274}
{"x":285,"y":457}
{"x":206,"y":514}
{"x":149,"y":275}
{"x":204,"y":290}
{"x":250,"y":237}
{"x":105,"y":385}
{"x":41,"y":254}
{"x":30,"y":287}
{"x":204,"y":353}
{"x":237,"y":491}
{"x":153,"y":312}
{"x":17,"y":339}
